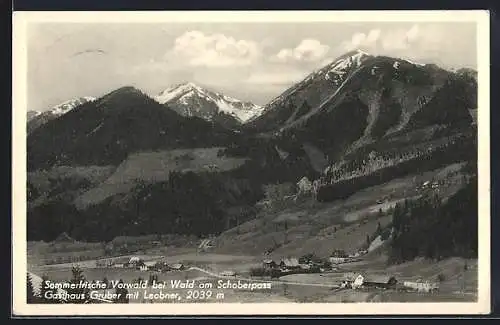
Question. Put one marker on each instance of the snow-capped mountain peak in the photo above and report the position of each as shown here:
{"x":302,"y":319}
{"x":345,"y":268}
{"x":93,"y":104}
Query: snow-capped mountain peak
{"x":37,"y":118}
{"x":335,"y":72}
{"x":62,"y":108}
{"x":33,"y":114}
{"x":189,"y":99}
{"x":175,"y":91}
{"x":340,"y":67}
{"x":68,"y":105}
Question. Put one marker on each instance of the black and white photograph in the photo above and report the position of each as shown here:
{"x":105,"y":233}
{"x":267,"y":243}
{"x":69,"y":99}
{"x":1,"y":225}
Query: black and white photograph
{"x":290,"y":162}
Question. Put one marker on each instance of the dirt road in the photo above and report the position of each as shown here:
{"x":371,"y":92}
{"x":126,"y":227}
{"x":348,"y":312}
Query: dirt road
{"x":267,"y":281}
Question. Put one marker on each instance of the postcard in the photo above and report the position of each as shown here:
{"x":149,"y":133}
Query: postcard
{"x":251,"y":163}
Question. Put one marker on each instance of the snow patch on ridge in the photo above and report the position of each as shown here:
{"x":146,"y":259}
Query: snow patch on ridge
{"x":188,"y":93}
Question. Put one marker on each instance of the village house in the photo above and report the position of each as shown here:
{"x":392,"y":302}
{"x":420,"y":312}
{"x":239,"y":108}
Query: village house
{"x":147,"y":266}
{"x":161,"y":266}
{"x":269,"y":264}
{"x":421,"y":286}
{"x":290,"y":263}
{"x":352,"y":280}
{"x":338,"y":260}
{"x":134,"y":261}
{"x":358,"y":281}
{"x":177,"y":267}
{"x":379,"y":281}
{"x":304,"y":186}
{"x":338,"y":256}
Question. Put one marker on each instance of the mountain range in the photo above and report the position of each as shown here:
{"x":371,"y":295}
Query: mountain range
{"x":360,"y":98}
{"x":37,"y":118}
{"x":358,"y":121}
{"x":106,"y":130}
{"x":189,"y":99}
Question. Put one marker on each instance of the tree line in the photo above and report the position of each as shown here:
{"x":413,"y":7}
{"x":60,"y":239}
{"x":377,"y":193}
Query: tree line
{"x":461,"y":149}
{"x":430,"y":228}
{"x":186,"y":204}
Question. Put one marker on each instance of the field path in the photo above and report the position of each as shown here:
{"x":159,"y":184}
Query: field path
{"x":267,"y":281}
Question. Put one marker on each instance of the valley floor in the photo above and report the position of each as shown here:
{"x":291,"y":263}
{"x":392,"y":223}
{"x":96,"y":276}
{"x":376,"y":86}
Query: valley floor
{"x":457,"y":285}
{"x":298,"y":229}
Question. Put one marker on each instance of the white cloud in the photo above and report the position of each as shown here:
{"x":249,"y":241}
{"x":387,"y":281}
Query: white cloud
{"x":215,"y":50}
{"x":416,"y":39}
{"x":362,"y":40}
{"x":308,"y":50}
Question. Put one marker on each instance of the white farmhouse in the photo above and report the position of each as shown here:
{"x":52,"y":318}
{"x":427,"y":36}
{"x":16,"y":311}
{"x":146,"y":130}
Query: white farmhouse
{"x":358,"y":282}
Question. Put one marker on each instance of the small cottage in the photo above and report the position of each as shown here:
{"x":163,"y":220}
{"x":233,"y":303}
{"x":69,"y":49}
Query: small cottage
{"x":228,"y":273}
{"x":358,"y":281}
{"x":304,"y":185}
{"x":134,"y":261}
{"x":352,"y":280}
{"x":337,"y":260}
{"x":269,"y":264}
{"x":177,"y":267}
{"x":290,"y":263}
{"x":147,"y":266}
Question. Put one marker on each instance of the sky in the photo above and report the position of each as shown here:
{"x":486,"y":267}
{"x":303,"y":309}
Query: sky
{"x":248,"y":61}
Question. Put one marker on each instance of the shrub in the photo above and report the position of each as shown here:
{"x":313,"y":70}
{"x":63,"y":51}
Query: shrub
{"x":441,"y":277}
{"x":258,"y":271}
{"x":275,"y":273}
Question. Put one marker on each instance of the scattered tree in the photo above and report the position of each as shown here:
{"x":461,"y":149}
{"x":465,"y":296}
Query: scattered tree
{"x":30,"y":292}
{"x":81,"y":295}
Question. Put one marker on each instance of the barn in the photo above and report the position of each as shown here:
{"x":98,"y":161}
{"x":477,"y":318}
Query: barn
{"x":150,"y":265}
{"x":380,"y":281}
{"x":421,"y":286}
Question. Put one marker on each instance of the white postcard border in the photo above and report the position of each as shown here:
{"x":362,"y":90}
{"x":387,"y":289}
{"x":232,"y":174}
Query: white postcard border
{"x":19,"y":81}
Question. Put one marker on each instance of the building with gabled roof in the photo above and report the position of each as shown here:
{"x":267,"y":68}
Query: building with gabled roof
{"x":290,"y":263}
